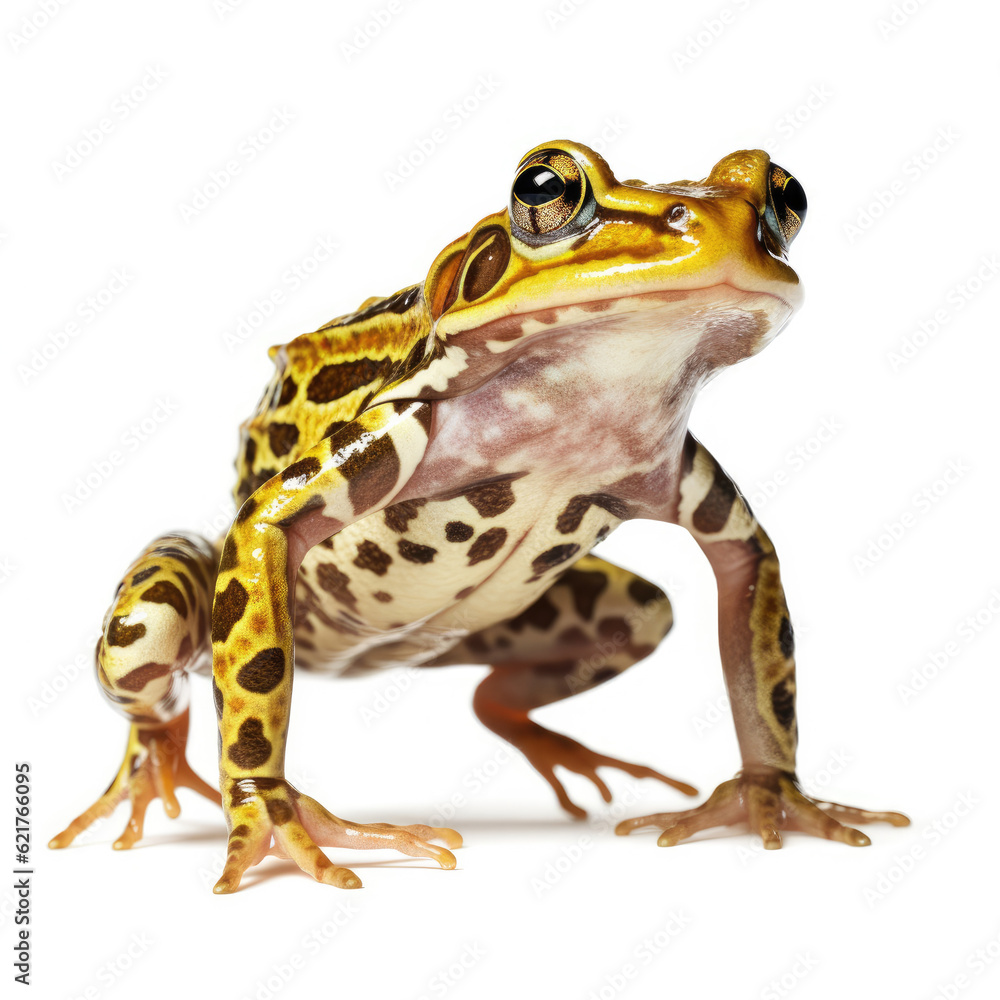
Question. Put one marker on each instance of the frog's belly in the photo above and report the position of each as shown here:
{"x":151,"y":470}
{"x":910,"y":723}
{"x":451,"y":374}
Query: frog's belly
{"x":404,"y":585}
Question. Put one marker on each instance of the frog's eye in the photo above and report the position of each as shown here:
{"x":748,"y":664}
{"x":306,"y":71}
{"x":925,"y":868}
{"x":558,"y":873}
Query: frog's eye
{"x":550,"y":196}
{"x":786,"y":205}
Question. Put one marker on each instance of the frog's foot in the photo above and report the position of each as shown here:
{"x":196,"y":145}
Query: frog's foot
{"x":154,"y":766}
{"x":546,"y":749}
{"x":264,"y":807}
{"x":768,"y":799}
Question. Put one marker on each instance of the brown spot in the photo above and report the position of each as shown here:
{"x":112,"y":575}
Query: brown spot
{"x":120,"y":634}
{"x":586,"y":586}
{"x":334,"y":582}
{"x":202,"y":625}
{"x":491,"y":499}
{"x":288,"y":390}
{"x":252,"y":748}
{"x":279,"y":811}
{"x":304,"y":469}
{"x":476,"y":644}
{"x":264,"y":672}
{"x":487,"y":545}
{"x":371,"y":472}
{"x":250,"y":453}
{"x":573,"y":637}
{"x":464,"y":593}
{"x":282,"y":438}
{"x":488,"y":256}
{"x":333,"y":381}
{"x":334,"y":427}
{"x":713,"y":512}
{"x":783,"y":703}
{"x":551,"y":558}
{"x":642,"y":591}
{"x":228,"y":610}
{"x":230,"y":555}
{"x":165,"y":592}
{"x":241,"y":831}
{"x":786,"y":638}
{"x":217,"y":698}
{"x":136,"y":680}
{"x":569,"y":520}
{"x":412,"y":552}
{"x":602,"y":675}
{"x":458,"y":531}
{"x":327,"y":543}
{"x":371,"y":557}
{"x":541,"y":614}
{"x":246,"y":511}
{"x":399,"y":515}
{"x":616,"y":629}
{"x":235,"y":845}
{"x":144,"y":574}
{"x":382,"y":596}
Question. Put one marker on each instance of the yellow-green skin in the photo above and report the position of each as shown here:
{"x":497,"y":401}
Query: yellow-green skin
{"x":421,"y":485}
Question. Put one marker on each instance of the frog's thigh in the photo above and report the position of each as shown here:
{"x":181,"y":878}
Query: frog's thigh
{"x":589,"y":626}
{"x":595,"y":621}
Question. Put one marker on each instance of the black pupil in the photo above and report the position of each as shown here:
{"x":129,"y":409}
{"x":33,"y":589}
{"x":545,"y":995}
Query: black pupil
{"x":538,"y":185}
{"x":795,"y":197}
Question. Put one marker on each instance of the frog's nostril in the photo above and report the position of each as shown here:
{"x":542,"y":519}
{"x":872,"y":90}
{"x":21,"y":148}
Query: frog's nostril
{"x":786,"y":205}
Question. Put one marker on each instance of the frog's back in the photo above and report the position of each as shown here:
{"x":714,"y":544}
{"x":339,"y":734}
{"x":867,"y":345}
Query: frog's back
{"x":323,"y":380}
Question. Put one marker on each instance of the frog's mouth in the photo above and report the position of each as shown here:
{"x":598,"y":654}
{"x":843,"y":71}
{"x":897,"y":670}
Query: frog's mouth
{"x":784,"y":212}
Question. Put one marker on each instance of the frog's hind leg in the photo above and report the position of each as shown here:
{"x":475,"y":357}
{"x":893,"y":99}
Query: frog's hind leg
{"x":155,"y":632}
{"x":593,"y":623}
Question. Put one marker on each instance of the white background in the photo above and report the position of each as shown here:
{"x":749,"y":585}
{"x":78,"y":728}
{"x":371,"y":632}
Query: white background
{"x":903,"y":917}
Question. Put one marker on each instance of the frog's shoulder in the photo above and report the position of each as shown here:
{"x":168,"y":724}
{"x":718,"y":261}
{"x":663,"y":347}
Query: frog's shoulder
{"x":324,"y":379}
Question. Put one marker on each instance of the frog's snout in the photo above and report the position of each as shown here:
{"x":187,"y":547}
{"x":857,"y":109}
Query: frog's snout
{"x":785,"y":210}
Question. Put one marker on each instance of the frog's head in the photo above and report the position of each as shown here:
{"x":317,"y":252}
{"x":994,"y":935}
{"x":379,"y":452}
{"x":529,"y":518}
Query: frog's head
{"x":701,"y":264}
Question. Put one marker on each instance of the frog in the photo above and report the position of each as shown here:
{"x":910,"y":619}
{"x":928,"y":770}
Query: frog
{"x":422,"y":484}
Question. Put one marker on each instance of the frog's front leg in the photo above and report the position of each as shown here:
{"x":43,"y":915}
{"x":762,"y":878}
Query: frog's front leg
{"x":155,"y":632}
{"x":757,"y":648}
{"x":357,"y":471}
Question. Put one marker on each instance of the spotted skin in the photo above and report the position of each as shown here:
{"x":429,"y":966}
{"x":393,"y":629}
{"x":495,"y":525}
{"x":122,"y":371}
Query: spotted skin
{"x":422,"y":482}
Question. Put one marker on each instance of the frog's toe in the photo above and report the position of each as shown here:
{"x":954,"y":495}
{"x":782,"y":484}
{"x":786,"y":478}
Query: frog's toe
{"x":154,"y":767}
{"x":414,"y":840}
{"x":768,"y":800}
{"x":545,"y":750}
